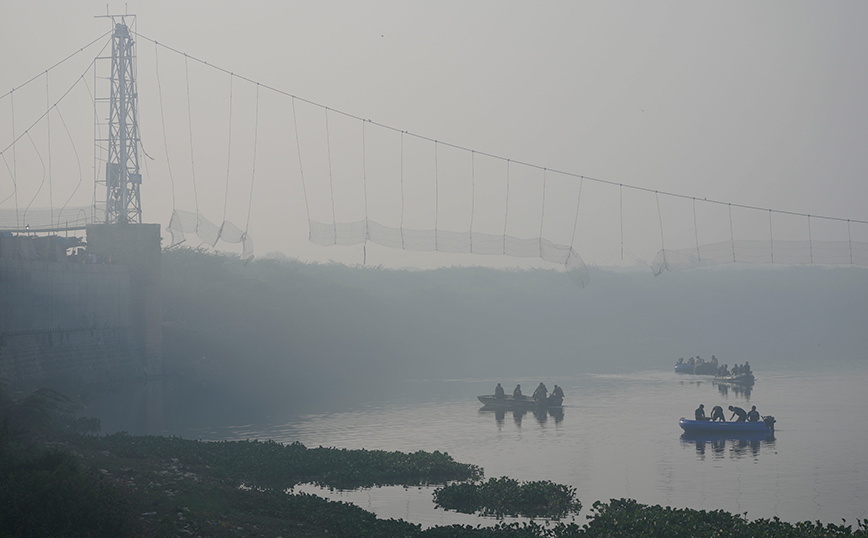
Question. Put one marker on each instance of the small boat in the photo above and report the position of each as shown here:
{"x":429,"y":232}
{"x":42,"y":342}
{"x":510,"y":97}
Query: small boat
{"x":701,"y":368}
{"x":766,"y":425}
{"x":738,"y":379}
{"x":508,"y":402}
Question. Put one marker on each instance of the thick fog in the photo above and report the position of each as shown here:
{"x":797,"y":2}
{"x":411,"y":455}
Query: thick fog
{"x":278,"y":334}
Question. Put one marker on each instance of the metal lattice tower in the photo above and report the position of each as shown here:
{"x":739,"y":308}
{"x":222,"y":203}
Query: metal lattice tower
{"x":122,"y":175}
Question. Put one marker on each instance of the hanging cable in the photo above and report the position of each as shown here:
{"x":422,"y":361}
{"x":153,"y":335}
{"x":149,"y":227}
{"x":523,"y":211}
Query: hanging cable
{"x":331,"y":180}
{"x":365,"y":188}
{"x":402,"y":190}
{"x":77,"y":158}
{"x":9,"y":93}
{"x":163,"y":123}
{"x":48,"y":128}
{"x":14,"y":159}
{"x":696,"y":231}
{"x":576,"y":221}
{"x":660,"y":217}
{"x":472,"y":195}
{"x":228,"y":158}
{"x":542,"y":218}
{"x":463,"y":148}
{"x":506,"y":209}
{"x":190,"y":131}
{"x":621,"y":214}
{"x":42,"y":162}
{"x":731,"y":234}
{"x":436,"y":199}
{"x":771,"y":237}
{"x":850,"y":242}
{"x":253,"y":172}
{"x":300,"y":167}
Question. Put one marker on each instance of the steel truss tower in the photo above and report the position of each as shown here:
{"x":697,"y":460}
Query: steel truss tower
{"x":122,"y":176}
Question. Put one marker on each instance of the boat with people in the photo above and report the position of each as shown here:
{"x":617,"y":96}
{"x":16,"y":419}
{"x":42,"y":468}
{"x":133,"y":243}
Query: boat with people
{"x":746,"y":378}
{"x":525,"y":402}
{"x":707,"y":427}
{"x":697,"y":366}
{"x":541,"y":398}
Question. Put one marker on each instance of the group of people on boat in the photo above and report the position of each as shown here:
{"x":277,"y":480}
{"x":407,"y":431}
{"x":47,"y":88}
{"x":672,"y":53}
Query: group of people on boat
{"x":724,"y":371}
{"x":539,"y":395}
{"x":696,"y":361}
{"x":717,"y":414}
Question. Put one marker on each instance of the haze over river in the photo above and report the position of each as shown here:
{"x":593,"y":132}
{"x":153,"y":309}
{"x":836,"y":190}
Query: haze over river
{"x":617,"y":436}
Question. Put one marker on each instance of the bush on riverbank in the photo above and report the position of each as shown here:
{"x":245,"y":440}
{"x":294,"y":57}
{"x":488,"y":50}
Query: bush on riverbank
{"x":505,"y":496}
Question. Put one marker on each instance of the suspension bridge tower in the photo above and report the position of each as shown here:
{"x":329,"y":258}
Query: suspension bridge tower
{"x":123,"y":179}
{"x":122,"y":238}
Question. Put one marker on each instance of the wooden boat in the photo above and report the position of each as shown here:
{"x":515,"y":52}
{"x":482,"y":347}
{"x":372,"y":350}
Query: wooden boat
{"x":508,"y":402}
{"x":702,"y":368}
{"x":739,"y":379}
{"x":767,"y":425}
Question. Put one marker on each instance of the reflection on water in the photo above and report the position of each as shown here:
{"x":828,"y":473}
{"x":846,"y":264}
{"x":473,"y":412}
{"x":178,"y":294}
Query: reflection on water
{"x":617,"y":436}
{"x":541,"y":415}
{"x":741,"y":391}
{"x":736,"y":444}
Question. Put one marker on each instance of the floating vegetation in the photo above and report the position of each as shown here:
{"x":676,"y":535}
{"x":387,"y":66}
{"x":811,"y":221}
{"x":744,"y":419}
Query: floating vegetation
{"x":505,"y":496}
{"x":273,"y":465}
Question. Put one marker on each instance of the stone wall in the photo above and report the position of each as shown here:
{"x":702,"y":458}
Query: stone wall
{"x":84,"y":322}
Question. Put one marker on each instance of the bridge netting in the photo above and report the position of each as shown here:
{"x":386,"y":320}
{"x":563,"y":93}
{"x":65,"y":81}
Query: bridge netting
{"x":356,"y":181}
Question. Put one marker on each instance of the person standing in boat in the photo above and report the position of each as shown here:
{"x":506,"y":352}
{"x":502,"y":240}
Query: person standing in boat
{"x":541,"y":393}
{"x":498,"y":392}
{"x":516,"y":393}
{"x":717,"y":413}
{"x":753,"y":415}
{"x":739,"y":412}
{"x":699,"y":414}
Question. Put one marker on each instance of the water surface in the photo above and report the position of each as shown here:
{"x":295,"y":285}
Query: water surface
{"x":617,"y":436}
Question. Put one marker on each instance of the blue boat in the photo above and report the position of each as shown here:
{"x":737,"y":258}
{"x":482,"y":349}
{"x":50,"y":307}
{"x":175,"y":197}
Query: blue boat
{"x":767,"y":425}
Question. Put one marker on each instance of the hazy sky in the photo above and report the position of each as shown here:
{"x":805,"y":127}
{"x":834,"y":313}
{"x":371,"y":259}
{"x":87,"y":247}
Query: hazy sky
{"x":754,"y":103}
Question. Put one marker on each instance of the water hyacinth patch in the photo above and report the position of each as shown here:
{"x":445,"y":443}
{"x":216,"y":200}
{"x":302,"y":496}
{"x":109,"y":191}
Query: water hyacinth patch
{"x":505,"y":496}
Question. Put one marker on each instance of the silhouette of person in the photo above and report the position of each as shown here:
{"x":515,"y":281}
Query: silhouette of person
{"x":516,"y":393}
{"x":699,"y":414}
{"x":541,"y":393}
{"x":738,"y":411}
{"x":498,"y":391}
{"x":753,"y":415}
{"x":717,"y":413}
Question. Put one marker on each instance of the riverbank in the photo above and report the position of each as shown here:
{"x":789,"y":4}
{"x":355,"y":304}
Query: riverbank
{"x":168,"y":486}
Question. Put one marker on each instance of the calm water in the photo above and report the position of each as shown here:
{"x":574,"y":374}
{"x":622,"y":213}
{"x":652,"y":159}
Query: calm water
{"x":618,"y":436}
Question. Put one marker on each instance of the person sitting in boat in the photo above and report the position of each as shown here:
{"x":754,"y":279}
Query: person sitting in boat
{"x":498,"y":392}
{"x":746,"y":367}
{"x":725,"y":372}
{"x":714,"y":361}
{"x":699,"y":414}
{"x":541,"y":393}
{"x":516,"y":393}
{"x":753,"y":415}
{"x":680,"y":362}
{"x":717,"y":414}
{"x":558,"y":392}
{"x":691,"y":361}
{"x":738,"y":411}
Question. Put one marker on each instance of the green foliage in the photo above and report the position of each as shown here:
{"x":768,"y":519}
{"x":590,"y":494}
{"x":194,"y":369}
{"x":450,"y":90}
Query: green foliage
{"x":506,"y":497}
{"x":627,"y":518}
{"x":273,"y":465}
{"x":39,"y":412}
{"x":47,"y":494}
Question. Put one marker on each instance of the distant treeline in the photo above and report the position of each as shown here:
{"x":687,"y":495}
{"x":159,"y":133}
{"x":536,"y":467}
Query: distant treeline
{"x":282,"y":329}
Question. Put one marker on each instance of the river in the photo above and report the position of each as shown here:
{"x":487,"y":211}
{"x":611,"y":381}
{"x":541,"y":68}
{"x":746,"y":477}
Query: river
{"x":617,"y":436}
